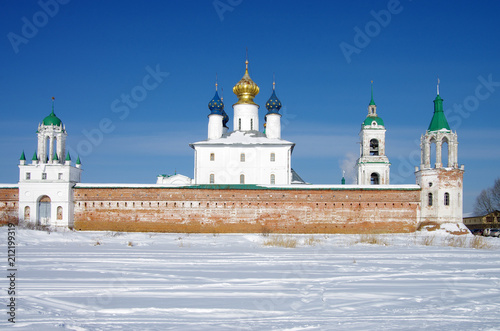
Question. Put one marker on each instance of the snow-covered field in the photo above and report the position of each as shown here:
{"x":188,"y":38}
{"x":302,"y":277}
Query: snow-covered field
{"x":139,"y":281}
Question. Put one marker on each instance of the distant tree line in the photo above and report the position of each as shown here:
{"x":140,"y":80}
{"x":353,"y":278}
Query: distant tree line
{"x":488,"y":200}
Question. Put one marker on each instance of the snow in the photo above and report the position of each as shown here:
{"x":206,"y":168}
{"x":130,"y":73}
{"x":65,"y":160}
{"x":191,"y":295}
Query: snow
{"x":142,"y":281}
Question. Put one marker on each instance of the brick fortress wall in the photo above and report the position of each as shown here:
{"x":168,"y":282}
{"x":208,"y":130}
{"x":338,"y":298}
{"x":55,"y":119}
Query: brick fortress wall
{"x":237,"y":210}
{"x":9,"y":204}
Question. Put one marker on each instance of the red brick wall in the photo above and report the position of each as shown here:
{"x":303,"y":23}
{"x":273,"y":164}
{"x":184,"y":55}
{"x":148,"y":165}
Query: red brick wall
{"x":240,"y":210}
{"x":9,"y":204}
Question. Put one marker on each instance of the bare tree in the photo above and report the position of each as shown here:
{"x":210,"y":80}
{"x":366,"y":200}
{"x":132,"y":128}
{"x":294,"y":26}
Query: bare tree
{"x":488,"y":200}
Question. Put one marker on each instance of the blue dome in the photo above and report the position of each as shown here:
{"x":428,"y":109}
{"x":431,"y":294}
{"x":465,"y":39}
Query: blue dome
{"x":273,"y":105}
{"x":216,"y":105}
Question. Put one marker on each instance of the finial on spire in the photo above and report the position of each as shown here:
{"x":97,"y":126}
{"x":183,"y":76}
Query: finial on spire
{"x":222,"y":93}
{"x":53,"y":104}
{"x":216,"y":82}
{"x":438,"y":86}
{"x":274,"y":82}
{"x":246,"y":58}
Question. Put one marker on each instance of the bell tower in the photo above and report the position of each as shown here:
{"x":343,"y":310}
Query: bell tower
{"x":373,"y":165}
{"x":441,"y":182}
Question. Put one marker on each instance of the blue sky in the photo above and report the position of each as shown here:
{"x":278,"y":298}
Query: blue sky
{"x":90,"y":55}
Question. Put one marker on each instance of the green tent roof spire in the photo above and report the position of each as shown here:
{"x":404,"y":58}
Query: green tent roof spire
{"x":23,"y":158}
{"x":35,"y":157}
{"x":55,"y":157}
{"x":438,"y":121}
{"x":78,"y":160}
{"x":372,"y":103}
{"x":68,"y":157}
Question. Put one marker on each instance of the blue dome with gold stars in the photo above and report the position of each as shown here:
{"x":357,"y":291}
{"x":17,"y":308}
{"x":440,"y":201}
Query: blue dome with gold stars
{"x":273,"y":105}
{"x":216,"y":105}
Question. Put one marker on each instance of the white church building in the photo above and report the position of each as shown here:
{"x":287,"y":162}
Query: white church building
{"x":244,"y":155}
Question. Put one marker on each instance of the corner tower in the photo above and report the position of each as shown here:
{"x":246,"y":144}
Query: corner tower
{"x":441,"y":182}
{"x":46,"y":185}
{"x":373,"y":165}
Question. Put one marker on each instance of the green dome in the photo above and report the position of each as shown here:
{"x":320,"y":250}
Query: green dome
{"x":370,"y":119}
{"x":52,"y":119}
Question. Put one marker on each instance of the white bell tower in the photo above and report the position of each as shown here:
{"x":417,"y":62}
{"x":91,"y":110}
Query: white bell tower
{"x":373,"y":165}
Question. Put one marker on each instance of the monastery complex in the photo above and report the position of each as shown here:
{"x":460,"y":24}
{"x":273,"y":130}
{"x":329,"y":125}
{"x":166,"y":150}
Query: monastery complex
{"x":243,"y":182}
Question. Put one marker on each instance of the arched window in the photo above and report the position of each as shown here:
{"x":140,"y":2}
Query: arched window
{"x":47,"y":155}
{"x":242,"y":179}
{"x":273,"y":157}
{"x":212,"y":157}
{"x":27,"y":213}
{"x":429,"y":203}
{"x":273,"y":179}
{"x":59,"y":213}
{"x":374,"y":147}
{"x":374,"y":179}
{"x":447,"y":199}
{"x":212,"y":178}
{"x":242,"y":157}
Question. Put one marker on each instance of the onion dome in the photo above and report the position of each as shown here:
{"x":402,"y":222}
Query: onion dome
{"x":52,"y":119}
{"x":273,"y":105}
{"x":216,"y":105}
{"x":246,"y":89}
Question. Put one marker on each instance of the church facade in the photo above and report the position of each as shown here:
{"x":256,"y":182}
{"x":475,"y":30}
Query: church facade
{"x":243,"y":182}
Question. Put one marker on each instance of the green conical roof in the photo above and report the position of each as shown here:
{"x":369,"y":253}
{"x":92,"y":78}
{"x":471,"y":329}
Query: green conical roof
{"x":438,"y":121}
{"x":55,"y":157}
{"x":23,"y":158}
{"x":78,"y":160}
{"x":68,"y":157}
{"x":372,"y":103}
{"x":35,"y":157}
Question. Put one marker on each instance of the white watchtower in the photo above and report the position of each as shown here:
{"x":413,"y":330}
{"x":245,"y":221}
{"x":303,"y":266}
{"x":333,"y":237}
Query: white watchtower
{"x":441,"y":183}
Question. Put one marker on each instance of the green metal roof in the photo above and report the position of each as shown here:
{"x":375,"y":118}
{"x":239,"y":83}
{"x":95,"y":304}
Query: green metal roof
{"x":78,"y":160}
{"x":438,"y":121}
{"x":370,"y":119}
{"x":35,"y":157}
{"x":52,"y":119}
{"x":23,"y":158}
{"x":68,"y":157}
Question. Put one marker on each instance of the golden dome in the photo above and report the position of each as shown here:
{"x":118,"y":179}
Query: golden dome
{"x":246,"y":89}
